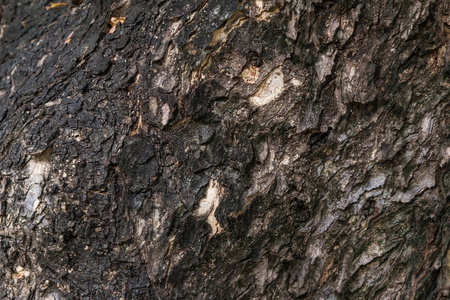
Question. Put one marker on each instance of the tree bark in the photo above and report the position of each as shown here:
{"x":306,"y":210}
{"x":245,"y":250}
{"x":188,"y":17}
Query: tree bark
{"x":223,"y":149}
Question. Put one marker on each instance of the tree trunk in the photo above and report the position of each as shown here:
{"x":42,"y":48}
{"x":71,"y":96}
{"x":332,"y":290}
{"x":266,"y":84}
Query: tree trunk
{"x":224,"y":149}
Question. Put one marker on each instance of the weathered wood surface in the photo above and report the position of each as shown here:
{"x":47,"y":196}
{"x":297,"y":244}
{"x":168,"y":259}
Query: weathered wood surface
{"x":216,"y":149}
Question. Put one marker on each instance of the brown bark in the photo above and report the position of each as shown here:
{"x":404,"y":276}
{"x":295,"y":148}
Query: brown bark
{"x":276,"y":149}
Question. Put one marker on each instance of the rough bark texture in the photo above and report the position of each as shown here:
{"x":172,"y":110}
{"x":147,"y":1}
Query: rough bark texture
{"x":216,"y":149}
